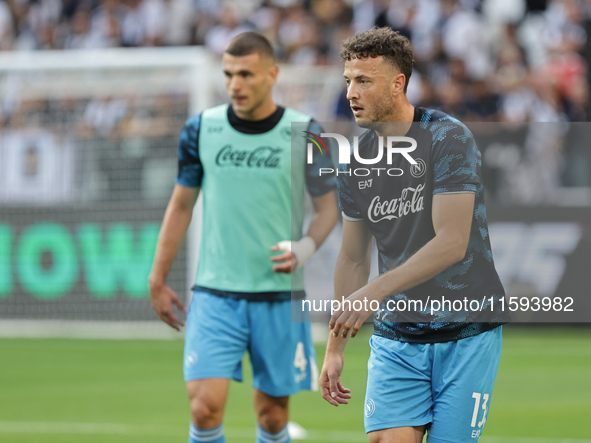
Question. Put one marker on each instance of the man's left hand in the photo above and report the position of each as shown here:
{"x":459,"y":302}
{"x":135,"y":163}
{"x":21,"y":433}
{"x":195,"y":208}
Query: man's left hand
{"x":353,"y":312}
{"x":288,"y":258}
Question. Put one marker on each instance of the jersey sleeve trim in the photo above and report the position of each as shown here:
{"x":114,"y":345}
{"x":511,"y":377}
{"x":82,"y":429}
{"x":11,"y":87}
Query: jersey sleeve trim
{"x":456,"y":189}
{"x":351,"y":219}
{"x":319,"y":193}
{"x":182,"y":182}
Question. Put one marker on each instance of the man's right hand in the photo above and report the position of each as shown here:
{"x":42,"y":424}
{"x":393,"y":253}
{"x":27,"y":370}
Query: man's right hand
{"x":330,"y":380}
{"x":162,"y":298}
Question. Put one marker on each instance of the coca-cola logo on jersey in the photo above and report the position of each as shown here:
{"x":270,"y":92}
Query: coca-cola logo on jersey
{"x":261,"y":157}
{"x":409,"y":202}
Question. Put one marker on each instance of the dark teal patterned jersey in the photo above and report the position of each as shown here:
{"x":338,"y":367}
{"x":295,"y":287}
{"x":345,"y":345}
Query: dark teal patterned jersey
{"x":396,"y":205}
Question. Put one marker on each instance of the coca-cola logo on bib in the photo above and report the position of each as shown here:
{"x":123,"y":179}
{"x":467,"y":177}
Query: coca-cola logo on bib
{"x":261,"y":157}
{"x":409,"y":202}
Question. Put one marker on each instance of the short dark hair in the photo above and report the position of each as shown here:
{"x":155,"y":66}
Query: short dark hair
{"x":385,"y":42}
{"x":249,"y":43}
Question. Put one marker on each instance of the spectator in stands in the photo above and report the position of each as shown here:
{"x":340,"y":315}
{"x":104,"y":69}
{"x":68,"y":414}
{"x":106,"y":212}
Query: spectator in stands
{"x":144,"y":23}
{"x":79,"y":36}
{"x":6,"y":29}
{"x":106,"y":23}
{"x":230,"y":25}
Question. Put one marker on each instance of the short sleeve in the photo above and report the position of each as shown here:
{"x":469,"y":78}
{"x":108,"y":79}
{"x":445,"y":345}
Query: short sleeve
{"x":456,"y":161}
{"x":319,"y":184}
{"x":190,"y":169}
{"x":346,"y":202}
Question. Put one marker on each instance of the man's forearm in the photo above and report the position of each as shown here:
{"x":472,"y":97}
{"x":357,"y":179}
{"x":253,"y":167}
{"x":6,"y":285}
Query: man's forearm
{"x":324,"y":219}
{"x":432,"y":259}
{"x":172,"y":235}
{"x":350,"y":276}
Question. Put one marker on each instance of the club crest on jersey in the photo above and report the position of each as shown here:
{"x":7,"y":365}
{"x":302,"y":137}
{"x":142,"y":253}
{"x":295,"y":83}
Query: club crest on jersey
{"x":286,"y":132}
{"x":418,"y":170}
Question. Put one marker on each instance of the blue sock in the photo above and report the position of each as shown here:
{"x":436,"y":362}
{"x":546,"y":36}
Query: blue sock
{"x":266,"y":437}
{"x":213,"y":435}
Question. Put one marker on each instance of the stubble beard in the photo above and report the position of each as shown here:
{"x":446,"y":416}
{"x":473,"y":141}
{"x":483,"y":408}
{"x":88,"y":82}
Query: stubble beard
{"x":382,"y":110}
{"x":256,"y":105}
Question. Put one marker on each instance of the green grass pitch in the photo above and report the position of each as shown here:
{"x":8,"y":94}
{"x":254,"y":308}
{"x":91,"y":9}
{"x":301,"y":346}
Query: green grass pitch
{"x":94,"y":391}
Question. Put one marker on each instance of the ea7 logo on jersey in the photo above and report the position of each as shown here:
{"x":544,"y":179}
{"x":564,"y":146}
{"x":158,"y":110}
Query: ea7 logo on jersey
{"x":364,"y":184}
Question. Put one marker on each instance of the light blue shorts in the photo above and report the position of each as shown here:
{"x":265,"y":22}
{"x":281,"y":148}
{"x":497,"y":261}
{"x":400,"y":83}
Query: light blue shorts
{"x":447,"y":386}
{"x":221,"y":329}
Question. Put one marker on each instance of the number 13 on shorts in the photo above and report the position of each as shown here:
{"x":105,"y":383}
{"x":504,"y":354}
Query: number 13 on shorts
{"x":480,"y":404}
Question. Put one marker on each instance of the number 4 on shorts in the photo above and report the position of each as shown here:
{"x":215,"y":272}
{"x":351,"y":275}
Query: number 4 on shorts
{"x":299,"y":360}
{"x":477,"y":396}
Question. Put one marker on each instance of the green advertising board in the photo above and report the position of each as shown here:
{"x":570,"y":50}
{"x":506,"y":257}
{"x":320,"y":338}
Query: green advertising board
{"x":80,"y":264}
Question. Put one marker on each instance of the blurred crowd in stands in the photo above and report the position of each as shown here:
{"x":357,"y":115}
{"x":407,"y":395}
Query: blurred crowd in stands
{"x":510,"y":61}
{"x":484,"y":60}
{"x":103,"y":149}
